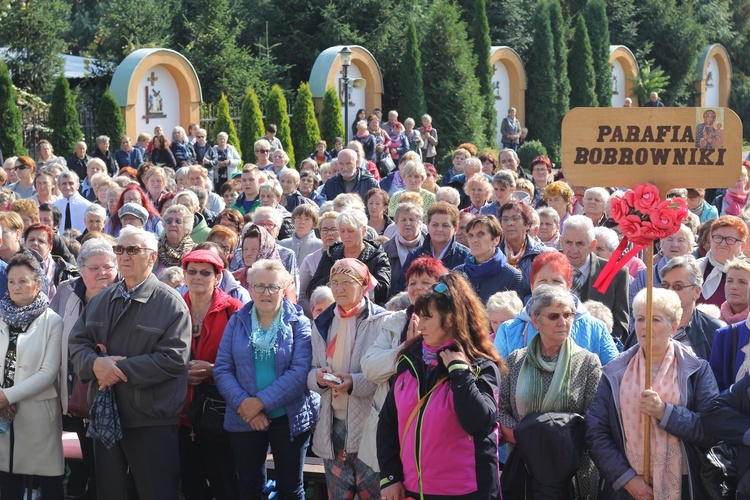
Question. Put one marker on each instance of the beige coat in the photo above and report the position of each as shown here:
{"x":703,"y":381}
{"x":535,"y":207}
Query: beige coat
{"x":378,"y":366}
{"x":37,"y":427}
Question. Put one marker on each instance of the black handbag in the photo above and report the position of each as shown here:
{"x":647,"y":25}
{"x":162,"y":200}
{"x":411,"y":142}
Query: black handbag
{"x":206,"y":413}
{"x":718,"y":471}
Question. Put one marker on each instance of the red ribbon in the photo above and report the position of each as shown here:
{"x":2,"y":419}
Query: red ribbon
{"x":615,"y":263}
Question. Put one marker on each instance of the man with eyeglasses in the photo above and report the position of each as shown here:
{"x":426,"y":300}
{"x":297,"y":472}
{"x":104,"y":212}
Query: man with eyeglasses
{"x":578,"y":243}
{"x":144,"y":327}
{"x":696,"y":328}
{"x":72,"y":205}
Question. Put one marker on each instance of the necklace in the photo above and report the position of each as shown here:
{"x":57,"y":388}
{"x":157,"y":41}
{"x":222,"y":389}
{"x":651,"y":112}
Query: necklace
{"x":197,"y":318}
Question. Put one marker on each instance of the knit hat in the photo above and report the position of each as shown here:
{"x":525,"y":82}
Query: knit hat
{"x":133,"y":209}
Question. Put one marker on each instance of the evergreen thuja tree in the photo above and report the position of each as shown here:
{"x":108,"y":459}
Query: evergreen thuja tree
{"x":597,"y":25}
{"x":411,"y":101}
{"x":540,"y":113}
{"x":303,"y":124}
{"x":480,"y":34}
{"x":63,"y":119}
{"x":560,"y":62}
{"x":451,"y":89}
{"x":109,"y":120}
{"x":331,"y":122}
{"x":224,"y":123}
{"x":11,"y":133}
{"x":581,"y":69}
{"x":251,"y":125}
{"x":276,"y":112}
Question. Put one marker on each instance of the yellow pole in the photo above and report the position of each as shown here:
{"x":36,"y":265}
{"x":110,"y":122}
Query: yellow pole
{"x":649,"y":312}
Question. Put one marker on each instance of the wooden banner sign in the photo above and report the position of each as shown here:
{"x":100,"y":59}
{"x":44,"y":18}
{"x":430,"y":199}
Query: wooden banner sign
{"x":668,"y":147}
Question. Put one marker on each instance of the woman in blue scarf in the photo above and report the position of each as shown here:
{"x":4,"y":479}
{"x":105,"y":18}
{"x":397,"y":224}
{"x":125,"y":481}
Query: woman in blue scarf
{"x":487,"y":268}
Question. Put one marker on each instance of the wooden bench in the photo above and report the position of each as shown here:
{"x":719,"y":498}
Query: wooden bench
{"x":312,"y":472}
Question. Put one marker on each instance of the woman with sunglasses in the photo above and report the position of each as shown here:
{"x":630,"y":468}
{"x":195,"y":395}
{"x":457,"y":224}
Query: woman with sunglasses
{"x":551,"y":374}
{"x":263,"y":153}
{"x":261,"y":370}
{"x":341,"y":336}
{"x":24,"y":169}
{"x":205,"y":454}
{"x":437,"y":435}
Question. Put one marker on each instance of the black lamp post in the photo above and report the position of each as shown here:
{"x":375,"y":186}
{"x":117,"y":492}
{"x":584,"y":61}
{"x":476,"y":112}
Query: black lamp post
{"x":346,"y":60}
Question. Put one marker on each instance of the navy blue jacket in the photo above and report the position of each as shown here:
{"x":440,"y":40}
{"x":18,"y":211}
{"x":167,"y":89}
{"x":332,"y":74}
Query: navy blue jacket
{"x":337,"y":185}
{"x":454,"y":256}
{"x":728,"y":419}
{"x":509,"y":278}
{"x":604,"y":435}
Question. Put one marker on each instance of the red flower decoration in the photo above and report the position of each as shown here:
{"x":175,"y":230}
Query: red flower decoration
{"x":646,"y":197}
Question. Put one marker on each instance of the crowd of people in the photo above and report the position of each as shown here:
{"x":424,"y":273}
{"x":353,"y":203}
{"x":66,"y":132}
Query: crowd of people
{"x":426,"y":336}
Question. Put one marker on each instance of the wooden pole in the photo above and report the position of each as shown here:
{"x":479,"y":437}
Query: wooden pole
{"x":649,"y":313}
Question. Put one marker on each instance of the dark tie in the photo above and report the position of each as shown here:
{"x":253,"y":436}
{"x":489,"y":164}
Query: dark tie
{"x":67,"y":216}
{"x":577,"y":282}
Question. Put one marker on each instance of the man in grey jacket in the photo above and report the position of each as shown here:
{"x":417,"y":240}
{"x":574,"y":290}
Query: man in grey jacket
{"x":145,"y":328}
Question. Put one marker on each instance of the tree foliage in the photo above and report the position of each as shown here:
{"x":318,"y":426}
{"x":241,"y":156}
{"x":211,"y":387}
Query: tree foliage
{"x":451,"y":86}
{"x":581,"y":68}
{"x":11,"y":133}
{"x":598,"y":30}
{"x":224,"y":123}
{"x":411,"y":101}
{"x":540,"y":113}
{"x":276,"y":113}
{"x":303,"y":124}
{"x":480,"y":35}
{"x":215,"y":53}
{"x":33,"y":32}
{"x":63,"y":119}
{"x":251,"y":126}
{"x":530,"y":150}
{"x":129,"y":25}
{"x":331,"y":123}
{"x":511,"y":24}
{"x":649,"y":79}
{"x":680,"y":39}
{"x":623,"y":23}
{"x":560,"y":63}
{"x":109,"y":120}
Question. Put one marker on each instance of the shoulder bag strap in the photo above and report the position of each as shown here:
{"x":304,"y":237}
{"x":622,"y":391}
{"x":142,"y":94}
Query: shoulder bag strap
{"x":416,"y":409}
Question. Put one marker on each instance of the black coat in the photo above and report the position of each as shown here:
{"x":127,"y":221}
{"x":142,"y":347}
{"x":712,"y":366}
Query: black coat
{"x":109,"y":161}
{"x":373,"y":256}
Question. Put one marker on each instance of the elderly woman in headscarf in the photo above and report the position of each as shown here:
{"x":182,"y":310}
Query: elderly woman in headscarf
{"x":341,"y":336}
{"x":682,"y":388}
{"x":551,"y":374}
{"x":257,"y":243}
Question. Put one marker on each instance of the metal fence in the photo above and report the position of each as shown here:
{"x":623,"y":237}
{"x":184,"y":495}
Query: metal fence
{"x":35,"y":128}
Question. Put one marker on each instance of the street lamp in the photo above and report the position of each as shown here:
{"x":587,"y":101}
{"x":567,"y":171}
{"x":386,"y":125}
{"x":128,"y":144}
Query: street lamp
{"x":346,"y":60}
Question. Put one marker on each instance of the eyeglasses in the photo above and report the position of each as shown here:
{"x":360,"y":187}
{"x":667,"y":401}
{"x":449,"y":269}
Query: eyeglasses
{"x":203,"y":272}
{"x":512,"y":218}
{"x":267,"y":225}
{"x":271,"y":289}
{"x":169,"y":222}
{"x":331,"y":230}
{"x":676,"y":288}
{"x":200,"y":136}
{"x":20,"y":167}
{"x":97,"y":269}
{"x":264,"y":151}
{"x":131,"y":250}
{"x":344,"y":283}
{"x":567,"y":316}
{"x":717,"y":238}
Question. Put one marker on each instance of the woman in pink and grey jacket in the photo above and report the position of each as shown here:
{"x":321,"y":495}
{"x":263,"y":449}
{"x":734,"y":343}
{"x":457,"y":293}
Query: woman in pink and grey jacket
{"x":437,"y":435}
